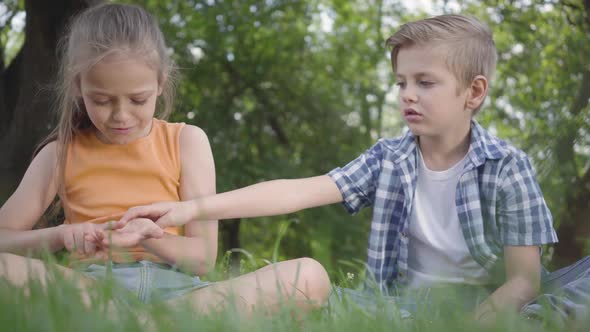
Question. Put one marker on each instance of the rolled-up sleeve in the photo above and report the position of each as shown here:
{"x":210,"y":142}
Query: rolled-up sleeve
{"x":357,"y":180}
{"x":523,"y":215}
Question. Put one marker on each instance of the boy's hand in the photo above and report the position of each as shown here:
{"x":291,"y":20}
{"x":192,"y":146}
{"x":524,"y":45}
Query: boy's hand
{"x":164,"y":214}
{"x":131,"y":234}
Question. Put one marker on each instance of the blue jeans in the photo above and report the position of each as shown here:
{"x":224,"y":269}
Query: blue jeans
{"x":147,"y":280}
{"x":434,"y":301}
{"x":565,"y":293}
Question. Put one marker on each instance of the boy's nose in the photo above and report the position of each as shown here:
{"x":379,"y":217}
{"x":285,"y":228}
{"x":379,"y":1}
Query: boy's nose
{"x":408,"y":95}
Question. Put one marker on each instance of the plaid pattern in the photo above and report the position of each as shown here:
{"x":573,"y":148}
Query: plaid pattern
{"x":498,"y":200}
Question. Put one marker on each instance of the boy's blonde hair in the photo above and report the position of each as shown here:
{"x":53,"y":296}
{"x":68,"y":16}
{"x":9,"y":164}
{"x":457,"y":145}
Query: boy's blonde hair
{"x":468,"y":43}
{"x":94,"y":34}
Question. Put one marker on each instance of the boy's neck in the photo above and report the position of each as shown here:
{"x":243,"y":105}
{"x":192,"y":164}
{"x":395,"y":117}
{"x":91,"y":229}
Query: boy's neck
{"x":443,"y":152}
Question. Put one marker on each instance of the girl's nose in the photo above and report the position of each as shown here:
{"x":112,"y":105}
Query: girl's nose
{"x":120,"y":112}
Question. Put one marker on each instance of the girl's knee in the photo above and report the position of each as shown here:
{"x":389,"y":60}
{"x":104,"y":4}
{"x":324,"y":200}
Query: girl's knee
{"x":12,"y":261}
{"x":19,"y":269}
{"x":314,"y":278}
{"x":13,"y":268}
{"x":9,"y":261}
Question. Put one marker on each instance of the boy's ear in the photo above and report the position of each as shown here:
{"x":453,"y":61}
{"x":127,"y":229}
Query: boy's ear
{"x":477,"y":92}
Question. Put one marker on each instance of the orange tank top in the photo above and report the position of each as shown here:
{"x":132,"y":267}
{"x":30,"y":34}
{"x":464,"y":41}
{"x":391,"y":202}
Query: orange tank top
{"x":103,"y":180}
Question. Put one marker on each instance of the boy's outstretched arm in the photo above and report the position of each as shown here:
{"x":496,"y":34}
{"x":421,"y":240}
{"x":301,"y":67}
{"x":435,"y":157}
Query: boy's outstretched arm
{"x":263,"y":199}
{"x":523,"y":279}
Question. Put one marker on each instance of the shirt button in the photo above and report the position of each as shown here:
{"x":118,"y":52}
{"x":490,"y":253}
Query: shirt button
{"x":404,"y":235}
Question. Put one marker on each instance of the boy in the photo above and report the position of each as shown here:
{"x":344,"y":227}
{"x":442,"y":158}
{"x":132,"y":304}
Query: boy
{"x":451,"y":202}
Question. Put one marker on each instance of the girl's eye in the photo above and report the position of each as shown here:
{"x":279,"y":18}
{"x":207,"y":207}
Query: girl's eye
{"x":100,"y":102}
{"x":426,"y":83}
{"x":401,"y":84}
{"x":139,"y":102}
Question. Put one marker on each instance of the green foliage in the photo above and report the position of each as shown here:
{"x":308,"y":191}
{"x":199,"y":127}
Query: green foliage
{"x":289,"y":88}
{"x":11,"y":34}
{"x":295,"y":88}
{"x":543,"y":49}
{"x":292,"y":88}
{"x":281,"y":96}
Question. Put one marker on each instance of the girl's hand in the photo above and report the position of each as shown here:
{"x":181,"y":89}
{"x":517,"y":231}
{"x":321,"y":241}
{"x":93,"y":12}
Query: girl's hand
{"x":131,"y":233}
{"x":84,"y":238}
{"x":164,"y":214}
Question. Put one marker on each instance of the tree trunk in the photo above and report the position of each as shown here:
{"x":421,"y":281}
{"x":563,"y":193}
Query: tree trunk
{"x":574,"y":230}
{"x":27,"y":86}
{"x":230,"y":235}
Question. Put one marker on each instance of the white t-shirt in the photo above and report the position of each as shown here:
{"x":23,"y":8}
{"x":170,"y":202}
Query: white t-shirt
{"x":438,"y":253}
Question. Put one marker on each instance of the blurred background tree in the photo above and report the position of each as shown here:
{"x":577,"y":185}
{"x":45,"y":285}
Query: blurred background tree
{"x":288,"y":88}
{"x":28,"y":63}
{"x":540,"y":102}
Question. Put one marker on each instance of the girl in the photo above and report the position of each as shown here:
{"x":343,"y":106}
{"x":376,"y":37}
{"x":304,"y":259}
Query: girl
{"x":107,"y":154}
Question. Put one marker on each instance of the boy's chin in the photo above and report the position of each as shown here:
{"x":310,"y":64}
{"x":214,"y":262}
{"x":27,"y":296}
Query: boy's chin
{"x":424,"y":133}
{"x":417,"y":130}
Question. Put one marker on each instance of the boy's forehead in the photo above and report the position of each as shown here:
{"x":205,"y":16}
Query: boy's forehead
{"x":420,"y":59}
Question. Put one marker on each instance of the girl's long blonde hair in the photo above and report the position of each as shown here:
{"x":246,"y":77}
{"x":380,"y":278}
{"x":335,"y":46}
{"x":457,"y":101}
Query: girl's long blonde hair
{"x":94,"y":34}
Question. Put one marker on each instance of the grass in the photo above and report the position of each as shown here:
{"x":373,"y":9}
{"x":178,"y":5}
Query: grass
{"x":60,"y":308}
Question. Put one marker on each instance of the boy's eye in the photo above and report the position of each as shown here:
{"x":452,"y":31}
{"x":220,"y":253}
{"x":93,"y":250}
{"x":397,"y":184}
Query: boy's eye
{"x":425,"y":83}
{"x":401,"y":84}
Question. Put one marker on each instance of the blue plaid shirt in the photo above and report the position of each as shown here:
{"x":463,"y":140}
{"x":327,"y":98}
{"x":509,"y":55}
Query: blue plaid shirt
{"x":498,"y":201}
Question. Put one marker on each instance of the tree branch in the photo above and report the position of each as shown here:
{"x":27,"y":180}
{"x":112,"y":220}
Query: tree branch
{"x":26,"y":114}
{"x":571,"y":5}
{"x":261,"y":96}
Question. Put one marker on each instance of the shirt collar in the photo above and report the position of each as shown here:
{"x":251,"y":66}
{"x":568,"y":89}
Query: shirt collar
{"x":484,"y":146}
{"x":481,"y":147}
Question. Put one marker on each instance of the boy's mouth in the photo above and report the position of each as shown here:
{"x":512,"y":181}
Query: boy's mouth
{"x":412,"y":116}
{"x":409,"y":112}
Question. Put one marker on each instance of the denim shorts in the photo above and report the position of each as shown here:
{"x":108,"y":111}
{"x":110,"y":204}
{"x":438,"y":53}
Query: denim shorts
{"x":147,"y":280}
